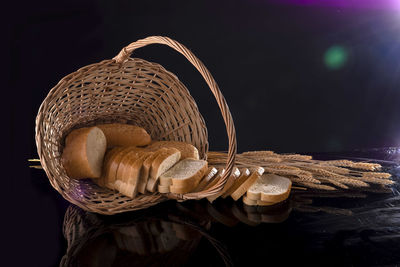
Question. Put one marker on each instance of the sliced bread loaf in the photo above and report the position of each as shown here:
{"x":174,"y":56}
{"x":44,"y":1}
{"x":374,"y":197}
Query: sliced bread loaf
{"x":118,"y":134}
{"x":163,"y":162}
{"x":83,"y":153}
{"x":270,"y":188}
{"x":187,"y":150}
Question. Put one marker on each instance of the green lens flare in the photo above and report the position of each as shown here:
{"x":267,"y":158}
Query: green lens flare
{"x":335,"y":57}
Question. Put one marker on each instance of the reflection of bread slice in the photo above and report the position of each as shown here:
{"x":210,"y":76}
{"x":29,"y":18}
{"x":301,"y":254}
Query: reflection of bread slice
{"x":183,"y":232}
{"x":270,"y":188}
{"x":163,"y":162}
{"x":242,"y":215}
{"x":221,"y":217}
{"x":83,"y":153}
{"x":187,"y":150}
{"x":241,"y":190}
{"x":236,"y":183}
{"x":231,"y":180}
{"x":250,"y":202}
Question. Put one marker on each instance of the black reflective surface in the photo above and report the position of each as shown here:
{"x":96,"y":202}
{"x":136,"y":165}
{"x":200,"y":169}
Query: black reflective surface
{"x":311,"y":228}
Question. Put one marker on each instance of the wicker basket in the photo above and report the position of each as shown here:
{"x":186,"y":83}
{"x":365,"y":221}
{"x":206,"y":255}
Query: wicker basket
{"x":127,"y":90}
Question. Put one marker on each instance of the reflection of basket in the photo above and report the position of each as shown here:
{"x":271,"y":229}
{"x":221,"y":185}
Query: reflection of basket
{"x":85,"y":232}
{"x":131,"y":91}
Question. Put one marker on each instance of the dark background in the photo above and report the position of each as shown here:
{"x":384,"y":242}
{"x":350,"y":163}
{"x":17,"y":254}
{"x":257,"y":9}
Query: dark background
{"x":266,"y":57}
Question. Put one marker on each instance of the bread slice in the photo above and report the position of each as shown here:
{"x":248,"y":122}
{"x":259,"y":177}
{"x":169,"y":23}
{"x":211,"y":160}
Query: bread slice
{"x":184,"y":176}
{"x":270,"y":188}
{"x":126,"y":162}
{"x":115,"y":160}
{"x":210,"y":174}
{"x":163,"y":162}
{"x":241,"y":190}
{"x":235,"y":174}
{"x":83,"y":153}
{"x":118,"y":134}
{"x":237,"y":182}
{"x":130,"y":176}
{"x":144,"y":176}
{"x":110,"y":153}
{"x":187,"y":150}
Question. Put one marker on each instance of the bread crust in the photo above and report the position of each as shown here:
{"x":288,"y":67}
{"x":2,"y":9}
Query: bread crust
{"x":119,"y":134}
{"x":241,"y":190}
{"x":131,"y":176}
{"x":74,"y":156}
{"x":228,"y":184}
{"x":156,"y":164}
{"x":266,"y":197}
{"x":238,"y":182}
{"x":187,"y":150}
{"x":111,"y":174}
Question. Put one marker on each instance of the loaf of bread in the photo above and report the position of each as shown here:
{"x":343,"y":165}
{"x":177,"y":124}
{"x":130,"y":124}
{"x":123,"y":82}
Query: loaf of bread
{"x":118,"y":134}
{"x":83,"y":153}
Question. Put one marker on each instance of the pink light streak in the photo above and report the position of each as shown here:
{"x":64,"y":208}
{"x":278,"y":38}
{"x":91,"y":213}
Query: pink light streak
{"x":356,"y":4}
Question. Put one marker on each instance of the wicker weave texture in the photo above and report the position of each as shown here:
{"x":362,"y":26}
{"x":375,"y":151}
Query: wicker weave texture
{"x":125,"y":90}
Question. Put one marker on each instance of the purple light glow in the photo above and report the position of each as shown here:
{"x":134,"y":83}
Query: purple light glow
{"x":363,"y":4}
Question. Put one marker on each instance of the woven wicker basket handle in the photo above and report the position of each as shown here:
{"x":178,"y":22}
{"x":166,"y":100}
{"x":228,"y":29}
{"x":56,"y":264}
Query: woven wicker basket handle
{"x":226,"y":114}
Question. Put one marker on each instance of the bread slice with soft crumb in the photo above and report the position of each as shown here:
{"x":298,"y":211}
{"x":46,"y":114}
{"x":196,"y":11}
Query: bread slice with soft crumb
{"x":183,"y":177}
{"x":187,"y":150}
{"x":270,"y":188}
{"x":110,"y":153}
{"x":163,"y":162}
{"x":207,"y":178}
{"x":144,"y":176}
{"x":237,"y":182}
{"x":126,"y":162}
{"x":231,"y":180}
{"x":241,"y":190}
{"x":130,"y":176}
{"x":185,"y":174}
{"x":83,"y":153}
{"x":111,"y":173}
